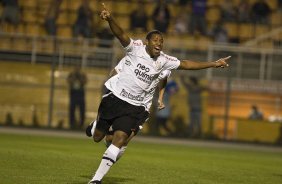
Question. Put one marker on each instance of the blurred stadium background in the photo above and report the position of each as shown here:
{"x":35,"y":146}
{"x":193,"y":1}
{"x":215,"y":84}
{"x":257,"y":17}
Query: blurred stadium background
{"x":34,"y":67}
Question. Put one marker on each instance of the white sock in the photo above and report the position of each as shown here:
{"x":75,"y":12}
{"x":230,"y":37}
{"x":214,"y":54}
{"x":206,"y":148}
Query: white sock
{"x":93,"y":128}
{"x":121,"y":152}
{"x":109,"y":158}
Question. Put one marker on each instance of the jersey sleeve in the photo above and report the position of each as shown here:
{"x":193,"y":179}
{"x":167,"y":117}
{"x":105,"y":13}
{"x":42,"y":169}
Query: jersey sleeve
{"x":119,"y":66}
{"x":165,"y":74}
{"x":133,"y":45}
{"x":171,"y":63}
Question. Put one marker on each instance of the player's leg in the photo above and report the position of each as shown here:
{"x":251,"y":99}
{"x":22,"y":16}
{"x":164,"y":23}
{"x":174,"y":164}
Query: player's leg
{"x":134,"y":132}
{"x":108,"y":138}
{"x":90,"y":128}
{"x":99,"y":127}
{"x":110,"y":155}
{"x":97,"y":133}
{"x":102,"y":127}
{"x":122,"y":130}
{"x":124,"y":118}
{"x":108,"y":141}
{"x":123,"y":148}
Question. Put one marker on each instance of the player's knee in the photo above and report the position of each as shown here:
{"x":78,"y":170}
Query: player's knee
{"x":120,"y":138}
{"x":98,"y":136}
{"x":109,"y":138}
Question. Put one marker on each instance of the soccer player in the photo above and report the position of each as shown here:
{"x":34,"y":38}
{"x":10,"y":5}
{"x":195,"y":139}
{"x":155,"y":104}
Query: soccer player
{"x":160,"y":82}
{"x":123,"y":106}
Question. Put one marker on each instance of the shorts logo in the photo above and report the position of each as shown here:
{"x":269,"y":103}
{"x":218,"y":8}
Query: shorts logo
{"x":142,"y":73}
{"x":109,"y":164}
{"x":130,"y":96}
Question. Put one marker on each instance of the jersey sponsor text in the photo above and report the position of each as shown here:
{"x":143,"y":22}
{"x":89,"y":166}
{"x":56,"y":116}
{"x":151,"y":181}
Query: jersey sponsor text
{"x":142,"y":73}
{"x":128,"y":95}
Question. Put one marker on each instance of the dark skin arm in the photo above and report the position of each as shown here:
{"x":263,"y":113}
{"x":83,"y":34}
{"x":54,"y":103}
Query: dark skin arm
{"x":161,"y":86}
{"x":184,"y":64}
{"x":196,"y":65}
{"x":116,"y":29}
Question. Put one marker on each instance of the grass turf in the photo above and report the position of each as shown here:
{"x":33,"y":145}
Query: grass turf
{"x":33,"y":159}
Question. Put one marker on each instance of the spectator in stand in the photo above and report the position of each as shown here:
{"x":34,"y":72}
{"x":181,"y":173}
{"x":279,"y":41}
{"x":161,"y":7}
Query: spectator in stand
{"x":183,"y":2}
{"x":106,"y":37}
{"x":139,"y":18}
{"x":11,"y":12}
{"x":77,"y":81}
{"x":260,"y":12}
{"x":198,"y":17}
{"x":219,"y":33}
{"x":182,"y":18}
{"x":180,"y":25}
{"x":255,"y":114}
{"x":51,"y":17}
{"x":162,"y":116}
{"x":244,"y":11}
{"x":161,"y":16}
{"x":228,"y":11}
{"x":194,"y":90}
{"x":84,"y":23}
{"x":279,"y":2}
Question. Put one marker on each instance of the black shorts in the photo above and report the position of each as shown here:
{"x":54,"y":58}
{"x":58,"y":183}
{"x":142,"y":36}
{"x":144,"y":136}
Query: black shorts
{"x":119,"y":114}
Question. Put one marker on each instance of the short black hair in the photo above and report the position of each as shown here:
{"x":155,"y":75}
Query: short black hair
{"x":150,"y":34}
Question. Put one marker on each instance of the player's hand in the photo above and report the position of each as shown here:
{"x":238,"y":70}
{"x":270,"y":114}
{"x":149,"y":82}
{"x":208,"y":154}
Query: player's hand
{"x":105,"y":14}
{"x":161,"y":105}
{"x":222,"y":62}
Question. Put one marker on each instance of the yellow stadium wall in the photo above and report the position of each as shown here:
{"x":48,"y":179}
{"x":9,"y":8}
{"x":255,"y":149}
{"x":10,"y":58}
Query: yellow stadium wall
{"x":258,"y":131}
{"x":25,"y":89}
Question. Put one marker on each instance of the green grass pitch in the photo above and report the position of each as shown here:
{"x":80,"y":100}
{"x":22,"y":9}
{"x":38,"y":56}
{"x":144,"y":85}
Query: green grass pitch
{"x":35,"y":159}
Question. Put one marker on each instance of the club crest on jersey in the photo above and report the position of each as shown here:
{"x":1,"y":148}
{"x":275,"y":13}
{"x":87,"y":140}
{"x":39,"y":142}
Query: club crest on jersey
{"x":141,"y":73}
{"x":158,"y":64}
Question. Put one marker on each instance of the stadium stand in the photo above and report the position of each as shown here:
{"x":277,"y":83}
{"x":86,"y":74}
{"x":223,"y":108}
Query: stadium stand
{"x":33,"y":14}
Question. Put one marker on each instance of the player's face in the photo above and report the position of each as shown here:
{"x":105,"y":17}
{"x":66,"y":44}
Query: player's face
{"x":155,"y":45}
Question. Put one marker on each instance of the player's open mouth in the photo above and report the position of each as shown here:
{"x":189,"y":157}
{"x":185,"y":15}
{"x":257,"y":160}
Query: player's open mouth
{"x":157,"y":49}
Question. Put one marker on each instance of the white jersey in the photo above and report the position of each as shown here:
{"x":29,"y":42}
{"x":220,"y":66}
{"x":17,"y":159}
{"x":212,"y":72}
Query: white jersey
{"x":149,"y":96}
{"x":147,"y":102}
{"x":138,"y":73}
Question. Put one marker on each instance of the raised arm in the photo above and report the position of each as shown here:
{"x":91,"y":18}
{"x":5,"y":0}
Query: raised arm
{"x":196,"y":65}
{"x":116,"y":29}
{"x":162,"y":85}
